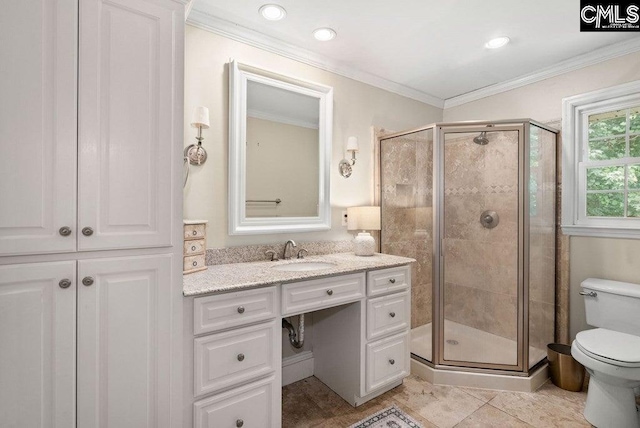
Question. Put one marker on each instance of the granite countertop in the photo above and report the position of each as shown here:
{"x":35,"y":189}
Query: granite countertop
{"x":238,"y":276}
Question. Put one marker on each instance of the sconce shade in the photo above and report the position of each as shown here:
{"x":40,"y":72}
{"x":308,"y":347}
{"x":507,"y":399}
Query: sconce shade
{"x":363,"y":218}
{"x":352,"y":144}
{"x":200,"y":117}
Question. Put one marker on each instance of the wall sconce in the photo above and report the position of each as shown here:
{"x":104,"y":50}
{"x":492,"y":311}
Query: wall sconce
{"x":345,"y":165}
{"x":195,"y":153}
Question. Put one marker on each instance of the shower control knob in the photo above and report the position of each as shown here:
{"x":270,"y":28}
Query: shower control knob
{"x":239,"y":423}
{"x":330,"y":292}
{"x":240,"y":357}
{"x":392,"y":361}
{"x":64,"y":231}
{"x":392,"y":280}
{"x":392,"y":314}
{"x":87,"y":231}
{"x":241,"y":309}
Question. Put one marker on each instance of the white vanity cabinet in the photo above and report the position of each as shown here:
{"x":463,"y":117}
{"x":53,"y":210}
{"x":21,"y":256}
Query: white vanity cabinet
{"x":361,"y":325}
{"x":388,"y":324}
{"x":237,"y":359}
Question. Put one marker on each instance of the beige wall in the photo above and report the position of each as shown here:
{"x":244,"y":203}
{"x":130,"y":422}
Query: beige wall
{"x":282,"y":163}
{"x":357,"y":107}
{"x":590,"y":257}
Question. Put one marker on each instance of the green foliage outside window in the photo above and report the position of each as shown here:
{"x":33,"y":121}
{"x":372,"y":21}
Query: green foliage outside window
{"x":614,"y":190}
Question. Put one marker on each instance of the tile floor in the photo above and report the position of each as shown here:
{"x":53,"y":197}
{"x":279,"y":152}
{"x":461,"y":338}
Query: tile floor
{"x":309,"y":403}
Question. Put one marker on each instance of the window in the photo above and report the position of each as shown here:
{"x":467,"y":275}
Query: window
{"x":601,"y":163}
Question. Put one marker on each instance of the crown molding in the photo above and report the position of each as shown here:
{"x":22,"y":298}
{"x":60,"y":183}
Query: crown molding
{"x":205,"y":21}
{"x":594,"y":57}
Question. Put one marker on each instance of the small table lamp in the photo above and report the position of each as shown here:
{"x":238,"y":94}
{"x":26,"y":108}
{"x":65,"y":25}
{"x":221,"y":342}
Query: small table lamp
{"x":363,"y":218}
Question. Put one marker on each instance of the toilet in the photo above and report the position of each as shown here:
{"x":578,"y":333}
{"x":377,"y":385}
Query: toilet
{"x":611,"y":352}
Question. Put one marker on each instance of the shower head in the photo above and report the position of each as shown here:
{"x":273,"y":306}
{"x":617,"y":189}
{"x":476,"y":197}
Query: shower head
{"x":481,"y":139}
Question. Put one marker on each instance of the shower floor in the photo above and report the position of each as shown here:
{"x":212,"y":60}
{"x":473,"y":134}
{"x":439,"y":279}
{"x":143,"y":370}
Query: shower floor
{"x":471,"y":344}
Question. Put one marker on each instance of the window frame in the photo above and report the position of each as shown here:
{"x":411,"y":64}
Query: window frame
{"x":575,"y":114}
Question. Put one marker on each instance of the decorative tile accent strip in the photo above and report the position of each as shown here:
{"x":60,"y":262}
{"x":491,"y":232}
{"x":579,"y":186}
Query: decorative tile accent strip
{"x":481,"y":190}
{"x":256,"y":253}
{"x":389,"y":417}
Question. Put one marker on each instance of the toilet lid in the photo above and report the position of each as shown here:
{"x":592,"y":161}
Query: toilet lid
{"x":610,"y":345}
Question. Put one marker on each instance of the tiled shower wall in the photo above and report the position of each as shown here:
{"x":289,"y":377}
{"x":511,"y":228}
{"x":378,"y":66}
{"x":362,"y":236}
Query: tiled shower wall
{"x":407,"y":221}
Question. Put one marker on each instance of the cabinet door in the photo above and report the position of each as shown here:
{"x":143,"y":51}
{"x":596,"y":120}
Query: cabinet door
{"x":38,"y":62}
{"x":37,"y":345}
{"x":124,"y":332}
{"x":126,"y":122}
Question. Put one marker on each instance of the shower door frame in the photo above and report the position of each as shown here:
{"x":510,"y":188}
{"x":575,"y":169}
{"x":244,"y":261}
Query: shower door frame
{"x":438,"y":334}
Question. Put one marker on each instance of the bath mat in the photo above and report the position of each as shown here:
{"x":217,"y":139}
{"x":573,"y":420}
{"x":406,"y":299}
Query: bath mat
{"x":391,"y":417}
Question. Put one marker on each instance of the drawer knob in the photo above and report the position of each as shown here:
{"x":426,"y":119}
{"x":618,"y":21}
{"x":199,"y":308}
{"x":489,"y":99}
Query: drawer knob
{"x":330,"y":292}
{"x":392,"y":280}
{"x":193,"y":248}
{"x":392,"y":314}
{"x":87,"y":231}
{"x":64,"y":283}
{"x":195,"y":232}
{"x":65,"y":231}
{"x":239,"y":423}
{"x":87,"y":280}
{"x":241,"y":309}
{"x":392,"y":361}
{"x":240,"y":357}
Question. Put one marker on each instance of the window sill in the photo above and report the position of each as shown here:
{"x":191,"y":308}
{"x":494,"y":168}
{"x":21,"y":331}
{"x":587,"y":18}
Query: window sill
{"x":601,"y":232}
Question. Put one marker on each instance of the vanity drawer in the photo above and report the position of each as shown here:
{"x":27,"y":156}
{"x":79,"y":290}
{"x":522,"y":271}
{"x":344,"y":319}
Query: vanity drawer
{"x":388,"y":314}
{"x":230,"y":358}
{"x":194,"y":231}
{"x":194,"y":263}
{"x":222,"y":311}
{"x":387,"y":361}
{"x":249,"y":406}
{"x":386,"y":281}
{"x":193,"y":246}
{"x":307,"y":296}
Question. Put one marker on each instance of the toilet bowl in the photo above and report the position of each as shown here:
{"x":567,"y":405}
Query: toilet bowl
{"x":611,"y":353}
{"x":613,"y":361}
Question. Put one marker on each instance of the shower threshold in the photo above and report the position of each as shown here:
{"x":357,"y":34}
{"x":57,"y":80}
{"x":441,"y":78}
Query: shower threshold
{"x":464,"y":343}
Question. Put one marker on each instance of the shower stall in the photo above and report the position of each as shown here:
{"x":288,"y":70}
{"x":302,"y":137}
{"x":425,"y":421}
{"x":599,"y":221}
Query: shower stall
{"x":475,"y":204}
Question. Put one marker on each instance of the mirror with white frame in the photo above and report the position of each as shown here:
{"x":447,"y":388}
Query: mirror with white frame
{"x":279,"y":152}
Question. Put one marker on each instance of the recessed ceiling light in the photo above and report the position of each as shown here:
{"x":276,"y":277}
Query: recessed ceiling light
{"x":324,"y":34}
{"x":496,"y":43}
{"x":273,"y":12}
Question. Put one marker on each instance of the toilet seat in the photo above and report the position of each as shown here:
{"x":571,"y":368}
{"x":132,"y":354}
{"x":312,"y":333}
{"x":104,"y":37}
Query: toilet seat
{"x":612,"y":347}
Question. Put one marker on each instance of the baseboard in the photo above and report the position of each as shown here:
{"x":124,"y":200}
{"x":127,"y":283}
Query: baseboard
{"x":297,"y":367}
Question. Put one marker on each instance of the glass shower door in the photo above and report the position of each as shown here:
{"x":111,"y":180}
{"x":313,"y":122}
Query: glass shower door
{"x":480,"y":221}
{"x":406,"y":171}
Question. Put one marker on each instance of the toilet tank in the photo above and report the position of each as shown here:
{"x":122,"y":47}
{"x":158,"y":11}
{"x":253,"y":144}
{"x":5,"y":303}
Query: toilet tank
{"x":616,"y":305}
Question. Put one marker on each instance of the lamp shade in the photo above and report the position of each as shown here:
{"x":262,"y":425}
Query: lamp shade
{"x":363,"y":218}
{"x":200,"y":117}
{"x":352,"y":144}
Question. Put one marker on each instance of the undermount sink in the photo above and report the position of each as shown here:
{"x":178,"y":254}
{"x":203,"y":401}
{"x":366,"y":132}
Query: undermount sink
{"x":304,"y":266}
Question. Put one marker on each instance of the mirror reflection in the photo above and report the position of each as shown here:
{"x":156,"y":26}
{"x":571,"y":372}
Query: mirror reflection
{"x":282,"y":152}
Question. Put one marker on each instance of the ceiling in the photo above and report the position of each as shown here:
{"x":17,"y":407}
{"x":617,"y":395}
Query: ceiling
{"x":431,"y":50}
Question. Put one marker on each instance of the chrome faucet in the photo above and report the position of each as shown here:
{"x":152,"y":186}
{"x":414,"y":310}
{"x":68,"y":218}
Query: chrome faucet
{"x":290,"y":244}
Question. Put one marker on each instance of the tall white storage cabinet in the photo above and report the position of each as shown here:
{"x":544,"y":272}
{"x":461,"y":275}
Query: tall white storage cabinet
{"x":91,"y":118}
